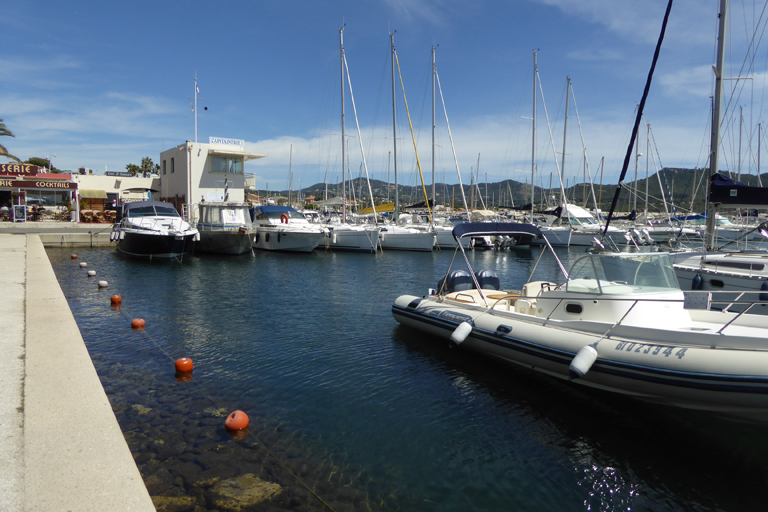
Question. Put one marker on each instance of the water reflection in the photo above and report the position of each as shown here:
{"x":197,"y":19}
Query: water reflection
{"x":347,"y":405}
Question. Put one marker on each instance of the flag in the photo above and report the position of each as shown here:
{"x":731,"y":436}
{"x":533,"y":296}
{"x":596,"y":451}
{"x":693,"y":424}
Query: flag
{"x":197,"y":89}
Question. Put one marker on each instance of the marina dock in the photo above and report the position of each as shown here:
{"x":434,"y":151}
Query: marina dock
{"x":60,"y":444}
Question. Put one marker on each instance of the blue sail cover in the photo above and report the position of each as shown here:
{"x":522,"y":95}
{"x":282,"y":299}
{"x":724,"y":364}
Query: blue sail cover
{"x":729,"y":192}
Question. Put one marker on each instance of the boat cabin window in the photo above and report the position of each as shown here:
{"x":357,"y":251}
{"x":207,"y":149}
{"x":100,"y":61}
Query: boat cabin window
{"x":622,"y":273}
{"x":152,"y":211}
{"x":292,"y":214}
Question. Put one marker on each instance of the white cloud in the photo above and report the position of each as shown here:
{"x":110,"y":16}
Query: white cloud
{"x":640,"y":21}
{"x":688,"y":82}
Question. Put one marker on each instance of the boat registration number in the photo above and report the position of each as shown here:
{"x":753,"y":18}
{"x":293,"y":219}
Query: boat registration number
{"x":654,"y":350}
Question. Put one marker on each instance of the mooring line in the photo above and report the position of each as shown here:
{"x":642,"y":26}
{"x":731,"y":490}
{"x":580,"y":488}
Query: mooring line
{"x":270,"y":450}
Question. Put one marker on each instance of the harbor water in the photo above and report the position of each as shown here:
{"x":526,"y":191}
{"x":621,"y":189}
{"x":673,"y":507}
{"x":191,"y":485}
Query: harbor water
{"x":350,"y":411}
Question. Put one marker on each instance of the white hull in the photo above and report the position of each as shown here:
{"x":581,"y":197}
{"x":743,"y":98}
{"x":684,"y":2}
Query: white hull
{"x":353,"y":238}
{"x":406,"y":239}
{"x":286,"y":239}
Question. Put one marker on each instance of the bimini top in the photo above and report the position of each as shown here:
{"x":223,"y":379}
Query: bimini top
{"x":494,"y":228}
{"x":274,"y":208}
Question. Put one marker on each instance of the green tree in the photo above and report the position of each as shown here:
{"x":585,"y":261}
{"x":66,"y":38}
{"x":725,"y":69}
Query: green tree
{"x":133,"y":169}
{"x":41,"y":162}
{"x":148,"y":166}
{"x":6,"y":132}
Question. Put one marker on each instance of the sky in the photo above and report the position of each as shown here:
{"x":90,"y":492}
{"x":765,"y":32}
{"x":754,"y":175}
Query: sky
{"x":104,"y":84}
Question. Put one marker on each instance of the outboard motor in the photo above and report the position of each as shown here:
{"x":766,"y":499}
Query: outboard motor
{"x":488,"y":280}
{"x":456,"y":281}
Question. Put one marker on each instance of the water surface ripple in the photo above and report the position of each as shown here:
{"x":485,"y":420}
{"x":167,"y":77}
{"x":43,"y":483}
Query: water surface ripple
{"x":370,"y":415}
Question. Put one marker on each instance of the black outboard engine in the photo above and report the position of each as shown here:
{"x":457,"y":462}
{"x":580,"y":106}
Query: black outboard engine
{"x":456,"y":281}
{"x":488,"y":280}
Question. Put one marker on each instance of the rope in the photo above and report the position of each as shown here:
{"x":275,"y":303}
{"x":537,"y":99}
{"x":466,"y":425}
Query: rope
{"x":255,"y":437}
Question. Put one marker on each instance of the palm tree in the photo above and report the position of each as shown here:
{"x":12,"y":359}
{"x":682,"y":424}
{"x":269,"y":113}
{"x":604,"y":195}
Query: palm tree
{"x":3,"y":151}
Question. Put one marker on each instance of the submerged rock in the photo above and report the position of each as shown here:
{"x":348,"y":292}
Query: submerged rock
{"x":173,"y":503}
{"x":242,"y":492}
{"x":141,"y":409}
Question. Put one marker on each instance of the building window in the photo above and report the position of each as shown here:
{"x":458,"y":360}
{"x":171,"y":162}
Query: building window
{"x":173,"y":167}
{"x":163,"y":166}
{"x":230,"y":165}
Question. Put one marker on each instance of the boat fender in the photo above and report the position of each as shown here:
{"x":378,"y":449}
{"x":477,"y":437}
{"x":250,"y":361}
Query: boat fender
{"x":697,"y":283}
{"x":83,"y":264}
{"x":333,"y":239}
{"x":283,"y":218}
{"x":583,"y":361}
{"x":91,"y":273}
{"x":460,"y":333}
{"x":764,"y":288}
{"x":103,"y":284}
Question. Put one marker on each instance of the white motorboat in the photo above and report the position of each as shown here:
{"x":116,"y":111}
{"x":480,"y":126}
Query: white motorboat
{"x":617,"y":321}
{"x":281,"y":228}
{"x":224,"y":228}
{"x":153,"y":229}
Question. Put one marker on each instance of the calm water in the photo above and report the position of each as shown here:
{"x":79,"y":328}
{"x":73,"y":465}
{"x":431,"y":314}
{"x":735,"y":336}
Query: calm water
{"x":350,"y":409}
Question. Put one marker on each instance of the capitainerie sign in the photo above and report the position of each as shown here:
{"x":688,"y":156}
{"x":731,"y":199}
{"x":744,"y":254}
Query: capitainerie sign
{"x":226,"y":142}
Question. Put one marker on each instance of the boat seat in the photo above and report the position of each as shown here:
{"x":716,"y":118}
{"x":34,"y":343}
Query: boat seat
{"x":534,"y":288}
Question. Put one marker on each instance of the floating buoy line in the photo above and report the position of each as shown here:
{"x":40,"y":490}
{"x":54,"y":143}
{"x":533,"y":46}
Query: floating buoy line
{"x":236,"y":422}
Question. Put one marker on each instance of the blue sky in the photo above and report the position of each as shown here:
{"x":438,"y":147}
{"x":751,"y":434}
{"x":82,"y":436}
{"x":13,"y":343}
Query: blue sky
{"x":103,"y":84}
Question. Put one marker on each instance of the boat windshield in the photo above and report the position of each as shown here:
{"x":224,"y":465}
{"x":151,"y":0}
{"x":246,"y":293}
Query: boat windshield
{"x":623,"y":273}
{"x":153,"y":211}
{"x":292,"y":214}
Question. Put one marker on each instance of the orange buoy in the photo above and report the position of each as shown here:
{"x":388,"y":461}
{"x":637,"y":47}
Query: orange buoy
{"x":116,"y":299}
{"x":138,"y":323}
{"x":237,"y":420}
{"x":74,"y":256}
{"x":184,"y":364}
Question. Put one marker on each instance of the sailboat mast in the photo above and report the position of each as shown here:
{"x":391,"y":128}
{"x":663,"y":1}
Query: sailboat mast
{"x":533,"y":136}
{"x":343,"y":138}
{"x":433,"y":126}
{"x":715,"y":141}
{"x":565,"y":128}
{"x":394,"y":127}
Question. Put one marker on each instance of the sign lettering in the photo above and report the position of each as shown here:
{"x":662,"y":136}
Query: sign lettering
{"x":226,"y":142}
{"x":19,"y":170}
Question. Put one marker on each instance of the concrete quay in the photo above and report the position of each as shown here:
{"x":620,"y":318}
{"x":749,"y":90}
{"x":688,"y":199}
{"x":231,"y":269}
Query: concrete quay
{"x":63,"y":234}
{"x":61,"y":448}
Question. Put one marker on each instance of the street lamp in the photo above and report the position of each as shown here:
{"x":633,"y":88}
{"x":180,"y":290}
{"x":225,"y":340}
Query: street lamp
{"x":50,"y":165}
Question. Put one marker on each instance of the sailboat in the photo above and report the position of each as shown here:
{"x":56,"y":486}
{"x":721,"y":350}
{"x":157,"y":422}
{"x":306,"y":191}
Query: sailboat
{"x":394,"y":236}
{"x":744,"y":273}
{"x":342,"y":235}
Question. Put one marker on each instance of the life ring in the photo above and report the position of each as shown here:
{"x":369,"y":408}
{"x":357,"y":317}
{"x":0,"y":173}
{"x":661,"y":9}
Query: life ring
{"x":284,"y":218}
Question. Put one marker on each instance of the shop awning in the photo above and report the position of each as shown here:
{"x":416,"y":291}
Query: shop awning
{"x":93,"y":194}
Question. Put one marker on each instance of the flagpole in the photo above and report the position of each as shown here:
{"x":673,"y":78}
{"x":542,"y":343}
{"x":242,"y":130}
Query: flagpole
{"x":195,"y":108}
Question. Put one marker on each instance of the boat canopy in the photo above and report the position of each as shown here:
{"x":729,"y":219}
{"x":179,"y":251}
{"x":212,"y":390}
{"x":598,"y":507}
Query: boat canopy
{"x":729,"y":192}
{"x":494,"y":228}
